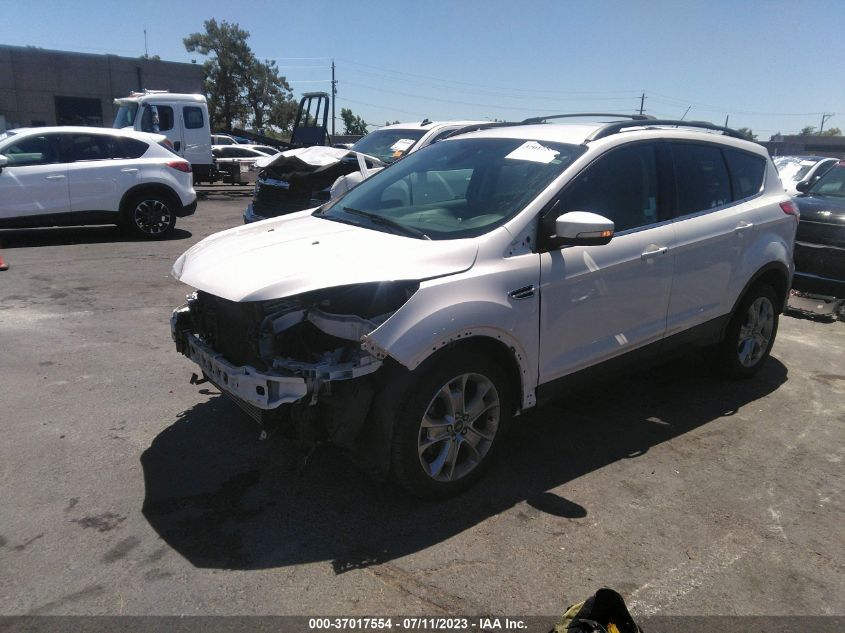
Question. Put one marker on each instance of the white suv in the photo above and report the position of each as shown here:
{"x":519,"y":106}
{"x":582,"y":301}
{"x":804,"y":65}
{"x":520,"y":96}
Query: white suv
{"x":411,"y":320}
{"x":61,"y":176}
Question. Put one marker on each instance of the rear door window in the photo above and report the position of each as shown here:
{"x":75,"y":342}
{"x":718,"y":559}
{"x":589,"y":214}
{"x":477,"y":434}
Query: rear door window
{"x":86,"y":147}
{"x":747,"y":173}
{"x":701,"y":178}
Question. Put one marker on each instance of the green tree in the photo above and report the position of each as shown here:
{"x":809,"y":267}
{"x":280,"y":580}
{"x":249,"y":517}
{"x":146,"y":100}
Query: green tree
{"x":227,"y":69}
{"x":807,"y":131}
{"x":283,"y":113}
{"x":834,"y":131}
{"x":747,"y":133}
{"x":264,"y":91}
{"x":353,"y":124}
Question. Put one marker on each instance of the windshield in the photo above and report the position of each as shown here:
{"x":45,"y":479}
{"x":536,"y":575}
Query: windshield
{"x":832,"y":183}
{"x":792,"y":169}
{"x":388,"y":145}
{"x":454,"y":189}
{"x":125,"y":116}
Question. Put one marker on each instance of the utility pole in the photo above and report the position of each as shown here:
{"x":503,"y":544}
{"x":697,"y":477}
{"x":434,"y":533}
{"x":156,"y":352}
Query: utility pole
{"x":685,"y":113}
{"x":642,"y":102}
{"x":146,"y":52}
{"x":727,"y":116}
{"x":825,"y":117}
{"x":334,"y":96}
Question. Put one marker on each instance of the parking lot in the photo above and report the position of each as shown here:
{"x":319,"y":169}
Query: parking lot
{"x":126,"y":490}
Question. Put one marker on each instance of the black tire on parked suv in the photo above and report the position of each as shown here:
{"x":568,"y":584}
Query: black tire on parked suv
{"x":750,"y":334}
{"x":150,"y":215}
{"x":448,"y":424}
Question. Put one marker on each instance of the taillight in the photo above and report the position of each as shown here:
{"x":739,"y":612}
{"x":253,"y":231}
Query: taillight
{"x":789,"y":208}
{"x":180,"y":165}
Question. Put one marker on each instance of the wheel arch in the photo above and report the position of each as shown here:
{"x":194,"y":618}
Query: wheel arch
{"x":494,"y":348}
{"x":774,"y":274}
{"x":148,"y":187}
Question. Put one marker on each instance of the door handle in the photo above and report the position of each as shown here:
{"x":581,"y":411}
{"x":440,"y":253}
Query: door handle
{"x":526,"y":292}
{"x":743,"y":227}
{"x":657,"y":251}
{"x":129,"y":170}
{"x":55,"y":177}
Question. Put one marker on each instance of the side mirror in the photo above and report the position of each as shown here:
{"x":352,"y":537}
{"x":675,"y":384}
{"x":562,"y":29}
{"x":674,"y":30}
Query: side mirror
{"x":3,"y":162}
{"x":582,"y":228}
{"x":803,"y":186}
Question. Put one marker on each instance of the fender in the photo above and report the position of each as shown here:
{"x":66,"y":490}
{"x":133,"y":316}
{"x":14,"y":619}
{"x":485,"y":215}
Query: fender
{"x":443,"y":312}
{"x":770,"y":252}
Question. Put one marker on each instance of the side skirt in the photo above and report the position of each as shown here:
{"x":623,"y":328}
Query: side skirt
{"x":679,"y":344}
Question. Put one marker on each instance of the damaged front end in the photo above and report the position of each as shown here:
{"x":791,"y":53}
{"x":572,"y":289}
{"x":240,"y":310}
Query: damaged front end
{"x":295,"y":362}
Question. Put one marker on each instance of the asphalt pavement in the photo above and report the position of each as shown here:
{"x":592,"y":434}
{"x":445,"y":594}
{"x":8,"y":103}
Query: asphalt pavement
{"x":126,"y":490}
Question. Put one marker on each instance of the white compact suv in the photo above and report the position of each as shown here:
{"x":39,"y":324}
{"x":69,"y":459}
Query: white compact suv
{"x":61,"y":176}
{"x":412,"y":319}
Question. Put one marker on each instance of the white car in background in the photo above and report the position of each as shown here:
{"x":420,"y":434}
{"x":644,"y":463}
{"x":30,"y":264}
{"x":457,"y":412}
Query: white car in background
{"x":61,"y":176}
{"x":278,"y":191}
{"x":392,"y":142}
{"x":797,"y":169}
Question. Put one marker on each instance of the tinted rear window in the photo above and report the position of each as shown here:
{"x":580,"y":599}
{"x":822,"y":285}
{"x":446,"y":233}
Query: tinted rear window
{"x":747,"y":173}
{"x":701,"y":177}
{"x":130,"y":148}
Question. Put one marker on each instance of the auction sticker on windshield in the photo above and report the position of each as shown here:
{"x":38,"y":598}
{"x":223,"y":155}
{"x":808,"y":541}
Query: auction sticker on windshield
{"x":402,"y":144}
{"x":533,"y":151}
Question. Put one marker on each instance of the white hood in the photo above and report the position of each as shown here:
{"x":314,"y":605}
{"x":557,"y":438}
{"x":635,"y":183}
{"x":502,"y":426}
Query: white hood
{"x":296,"y":253}
{"x":307,"y":160}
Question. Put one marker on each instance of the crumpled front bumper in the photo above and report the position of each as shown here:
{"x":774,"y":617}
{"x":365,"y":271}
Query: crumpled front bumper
{"x":263,"y":390}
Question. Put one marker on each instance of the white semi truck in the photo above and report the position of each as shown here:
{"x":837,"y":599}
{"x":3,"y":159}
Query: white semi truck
{"x":182,"y":118}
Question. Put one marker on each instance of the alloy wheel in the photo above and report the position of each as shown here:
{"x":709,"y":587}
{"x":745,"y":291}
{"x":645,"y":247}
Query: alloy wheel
{"x":755,"y":331}
{"x":458,"y":427}
{"x":152,"y":217}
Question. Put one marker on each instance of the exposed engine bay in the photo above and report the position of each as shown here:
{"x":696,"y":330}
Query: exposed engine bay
{"x":296,"y":360}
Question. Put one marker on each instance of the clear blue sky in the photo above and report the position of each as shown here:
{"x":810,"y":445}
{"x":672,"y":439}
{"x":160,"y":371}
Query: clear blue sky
{"x":772,"y":66}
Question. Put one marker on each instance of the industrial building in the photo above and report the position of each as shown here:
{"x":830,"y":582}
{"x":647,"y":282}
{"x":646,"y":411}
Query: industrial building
{"x":805,"y":145}
{"x":45,"y":87}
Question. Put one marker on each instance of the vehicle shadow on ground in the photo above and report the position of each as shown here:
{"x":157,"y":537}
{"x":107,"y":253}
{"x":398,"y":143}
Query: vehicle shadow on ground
{"x":61,"y":236}
{"x":222,"y":499}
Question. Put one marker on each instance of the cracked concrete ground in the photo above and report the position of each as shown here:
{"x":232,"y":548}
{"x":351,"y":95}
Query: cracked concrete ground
{"x":125,"y":490}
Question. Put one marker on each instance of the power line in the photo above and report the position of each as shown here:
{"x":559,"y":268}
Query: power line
{"x":704,"y":107}
{"x":470,"y":84}
{"x":498,"y":106}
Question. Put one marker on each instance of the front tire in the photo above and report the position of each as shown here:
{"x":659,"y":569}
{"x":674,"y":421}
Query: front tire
{"x":449,"y":425}
{"x":151,"y":216}
{"x":750,"y":334}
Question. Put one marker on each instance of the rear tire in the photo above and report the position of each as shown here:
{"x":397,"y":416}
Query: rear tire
{"x":750,"y":334}
{"x":449,"y":424}
{"x":151,"y":216}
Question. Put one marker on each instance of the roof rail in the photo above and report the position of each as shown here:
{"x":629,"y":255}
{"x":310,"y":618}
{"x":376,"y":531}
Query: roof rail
{"x":572,"y":115}
{"x":617,"y":126}
{"x":479,"y":126}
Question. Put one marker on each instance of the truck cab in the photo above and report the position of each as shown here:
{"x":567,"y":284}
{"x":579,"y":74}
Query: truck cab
{"x":182,"y":118}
